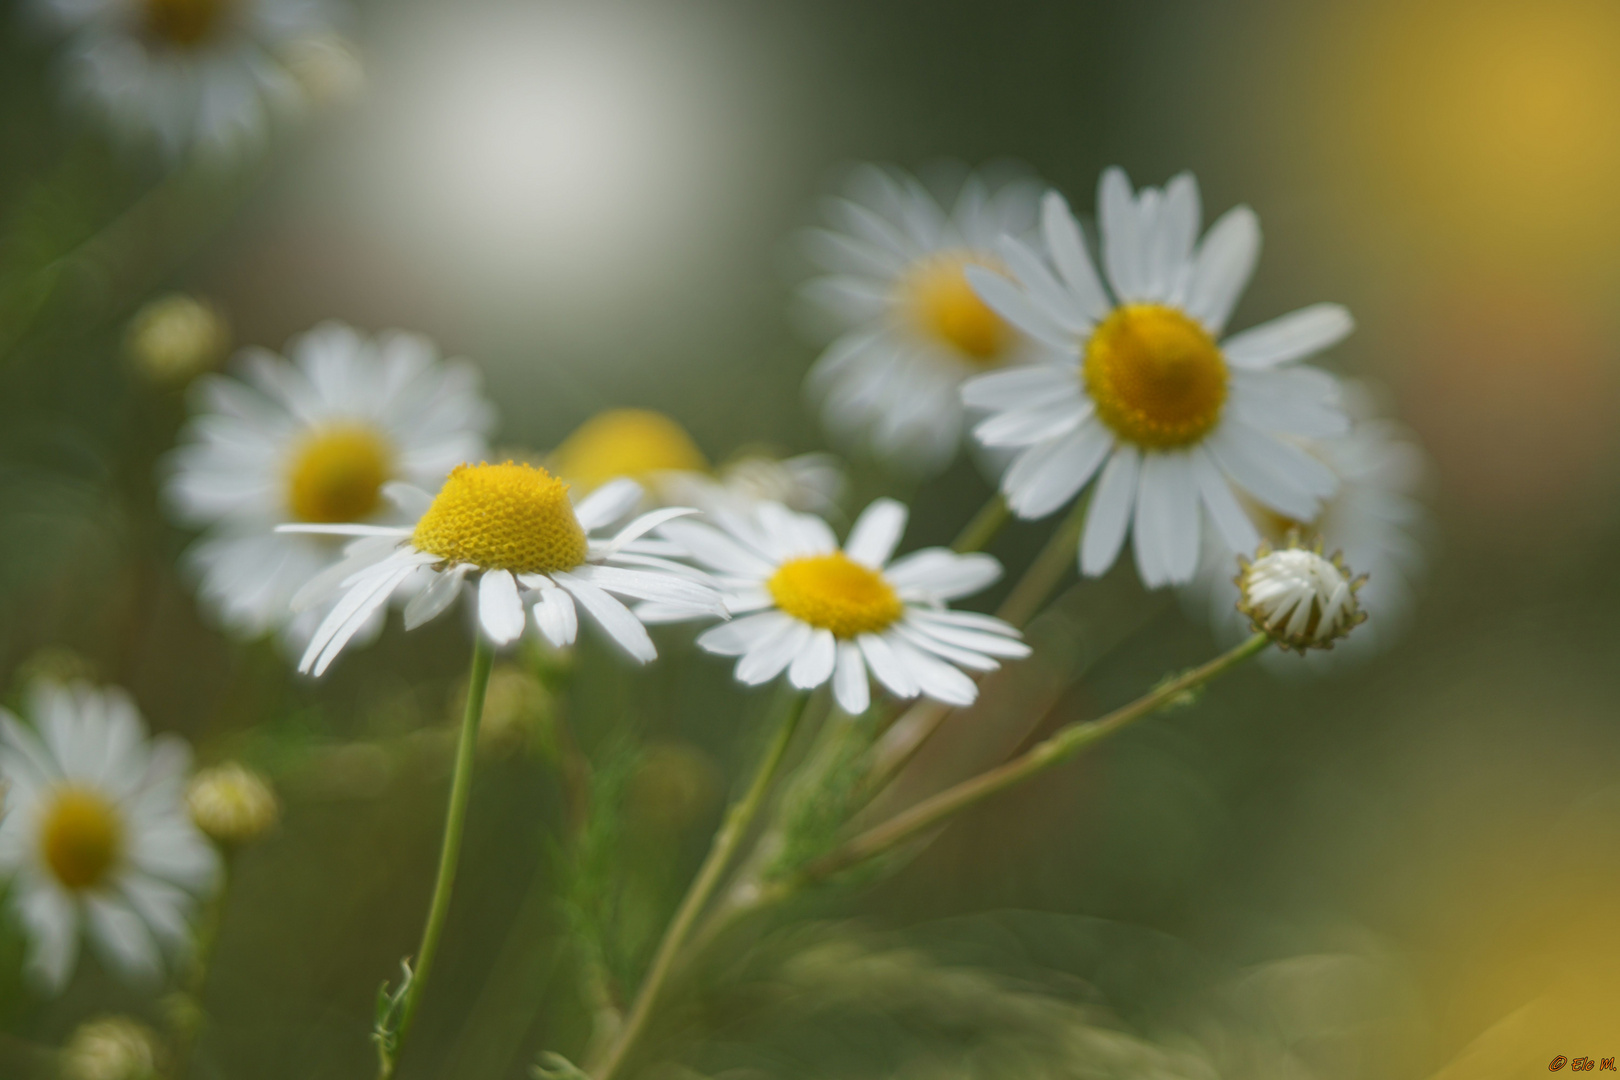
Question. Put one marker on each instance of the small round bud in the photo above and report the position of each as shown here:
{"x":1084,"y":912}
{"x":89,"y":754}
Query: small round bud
{"x":175,"y":338}
{"x":113,"y":1048}
{"x":517,"y":712}
{"x":1297,"y":596}
{"x":232,"y":804}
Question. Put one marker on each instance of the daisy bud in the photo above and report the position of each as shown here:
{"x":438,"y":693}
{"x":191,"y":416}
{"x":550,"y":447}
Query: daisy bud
{"x":1299,"y":597}
{"x":175,"y":338}
{"x":113,"y":1048}
{"x":231,"y":804}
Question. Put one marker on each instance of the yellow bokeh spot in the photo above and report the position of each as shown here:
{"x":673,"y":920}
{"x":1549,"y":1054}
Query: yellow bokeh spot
{"x":183,"y":23}
{"x":637,"y":443}
{"x":834,"y":592}
{"x":503,"y":517}
{"x":81,"y":837}
{"x":1156,"y":376}
{"x":941,"y":303}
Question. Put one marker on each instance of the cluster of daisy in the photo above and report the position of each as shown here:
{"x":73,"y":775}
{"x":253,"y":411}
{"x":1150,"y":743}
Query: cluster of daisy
{"x":1102,"y":367}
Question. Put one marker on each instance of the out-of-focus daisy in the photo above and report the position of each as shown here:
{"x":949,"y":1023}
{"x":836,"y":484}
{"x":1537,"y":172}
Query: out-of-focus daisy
{"x":211,"y":74}
{"x":911,"y":328}
{"x":636,"y":444}
{"x":820,"y":612}
{"x":513,"y":529}
{"x":317,"y":439}
{"x":1139,"y":388}
{"x":96,"y":838}
{"x":807,"y":482}
{"x":1374,"y":518}
{"x":177,"y":337}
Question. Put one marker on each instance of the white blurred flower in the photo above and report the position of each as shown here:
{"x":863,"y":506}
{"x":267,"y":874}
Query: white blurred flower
{"x":1139,"y":389}
{"x":206,"y":74}
{"x":314,"y":439}
{"x":1298,"y":597}
{"x":513,"y":529}
{"x":910,"y":327}
{"x":820,"y":612}
{"x":96,"y":837}
{"x":808,"y":482}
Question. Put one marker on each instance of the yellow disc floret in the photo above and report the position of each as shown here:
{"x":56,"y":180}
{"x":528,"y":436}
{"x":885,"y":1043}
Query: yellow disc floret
{"x":1156,"y":376}
{"x":183,"y":23}
{"x":942,"y":304}
{"x":337,"y":474}
{"x":81,"y":837}
{"x":834,"y":592}
{"x":503,"y":517}
{"x":637,"y":443}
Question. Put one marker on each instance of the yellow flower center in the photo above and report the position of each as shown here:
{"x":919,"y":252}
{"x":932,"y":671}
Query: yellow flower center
{"x":503,"y":517}
{"x":183,"y":23}
{"x":940,"y":302}
{"x":1155,"y":375}
{"x":82,"y":837}
{"x":834,"y":592}
{"x":337,"y":474}
{"x":626,"y":442}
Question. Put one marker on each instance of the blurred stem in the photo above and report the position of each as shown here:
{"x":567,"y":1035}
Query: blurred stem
{"x":978,"y":533}
{"x":906,"y":736}
{"x":454,"y":824}
{"x":188,"y":1022}
{"x":1047,"y":568}
{"x":732,"y":830}
{"x":1063,"y":745}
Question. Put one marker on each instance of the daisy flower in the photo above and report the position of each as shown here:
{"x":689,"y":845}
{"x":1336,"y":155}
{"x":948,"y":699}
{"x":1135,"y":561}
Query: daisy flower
{"x":910,"y":327}
{"x":315,"y":439}
{"x":820,"y":612}
{"x":190,"y":73}
{"x":808,"y":482}
{"x":1141,"y":391}
{"x":96,"y":839}
{"x":635,"y":444}
{"x":1374,"y":519}
{"x":513,"y":529}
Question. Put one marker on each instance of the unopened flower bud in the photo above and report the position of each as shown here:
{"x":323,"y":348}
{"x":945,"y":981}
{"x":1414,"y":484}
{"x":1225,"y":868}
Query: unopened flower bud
{"x":175,"y":338}
{"x":232,"y":804}
{"x":1299,"y":597}
{"x":113,"y":1048}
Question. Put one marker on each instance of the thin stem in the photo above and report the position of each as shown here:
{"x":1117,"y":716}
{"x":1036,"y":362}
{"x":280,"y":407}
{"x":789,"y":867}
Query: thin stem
{"x":1047,"y":569}
{"x":1063,"y":745}
{"x":455,"y":822}
{"x":738,"y":818}
{"x":978,"y":533}
{"x":191,"y":1019}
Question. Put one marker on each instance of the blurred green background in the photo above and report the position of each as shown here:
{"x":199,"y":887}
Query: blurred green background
{"x":1404,"y":868}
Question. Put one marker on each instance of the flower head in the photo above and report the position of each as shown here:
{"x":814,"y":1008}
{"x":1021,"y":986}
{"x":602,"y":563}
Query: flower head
{"x":232,"y":804}
{"x":514,"y":530}
{"x":209,"y":75}
{"x":1299,"y":598}
{"x":1140,"y":389}
{"x":97,"y":839}
{"x":911,"y":327}
{"x":316,"y":439}
{"x":175,"y":338}
{"x":112,"y":1048}
{"x":819,"y":611}
{"x":637,"y":444}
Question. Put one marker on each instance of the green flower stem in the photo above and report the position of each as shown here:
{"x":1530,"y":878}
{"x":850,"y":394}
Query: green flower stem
{"x":188,"y":1016}
{"x":978,"y":533}
{"x":1063,"y":745}
{"x":732,"y":830}
{"x":455,"y":822}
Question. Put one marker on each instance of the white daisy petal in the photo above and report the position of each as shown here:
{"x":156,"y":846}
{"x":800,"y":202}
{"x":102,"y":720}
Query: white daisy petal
{"x":769,"y":656}
{"x":814,"y":665}
{"x":608,"y":504}
{"x":876,"y":533}
{"x":1008,"y":301}
{"x":736,"y":637}
{"x":939,"y":574}
{"x":1048,"y":475}
{"x":1068,"y":250}
{"x":500,"y":611}
{"x":1021,"y":388}
{"x":1109,"y":516}
{"x":440,"y":593}
{"x":1221,"y":270}
{"x":555,"y":617}
{"x":850,"y":687}
{"x":611,"y":616}
{"x":886,"y":666}
{"x":1291,"y":337}
{"x":1231,"y":522}
{"x":934,"y":678}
